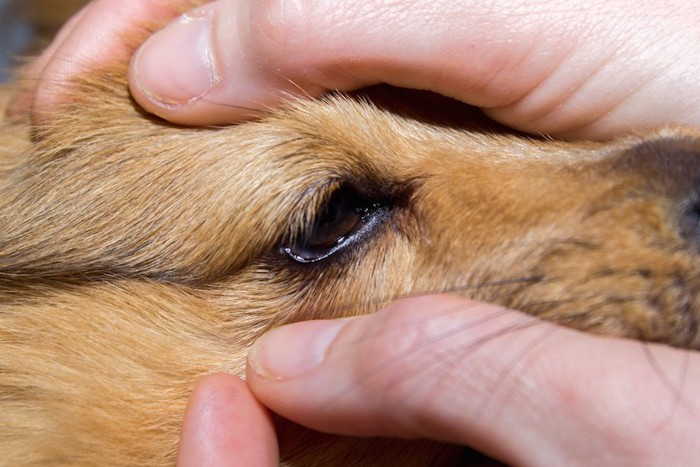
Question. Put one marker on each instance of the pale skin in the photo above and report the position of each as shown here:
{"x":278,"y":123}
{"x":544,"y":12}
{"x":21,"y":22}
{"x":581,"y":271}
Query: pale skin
{"x":590,"y":70}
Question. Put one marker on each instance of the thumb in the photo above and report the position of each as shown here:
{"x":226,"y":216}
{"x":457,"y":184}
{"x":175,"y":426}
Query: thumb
{"x":202,"y":68}
{"x":518,"y":389}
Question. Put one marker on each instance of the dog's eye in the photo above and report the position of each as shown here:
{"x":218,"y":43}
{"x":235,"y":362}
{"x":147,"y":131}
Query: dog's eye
{"x":345,"y":219}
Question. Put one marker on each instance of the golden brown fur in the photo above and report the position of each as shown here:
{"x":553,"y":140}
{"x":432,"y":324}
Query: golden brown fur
{"x":136,"y":256}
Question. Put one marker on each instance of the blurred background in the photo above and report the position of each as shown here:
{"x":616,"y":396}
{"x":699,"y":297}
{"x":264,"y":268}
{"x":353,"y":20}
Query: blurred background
{"x":27,"y":26}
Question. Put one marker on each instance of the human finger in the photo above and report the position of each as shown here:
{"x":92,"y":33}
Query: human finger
{"x":518,"y":389}
{"x":225,"y":425}
{"x":590,"y":70}
{"x":22,"y":99}
{"x":96,"y":35}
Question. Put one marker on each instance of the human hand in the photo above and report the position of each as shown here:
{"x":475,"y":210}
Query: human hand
{"x":587,"y":70}
{"x":524,"y":391}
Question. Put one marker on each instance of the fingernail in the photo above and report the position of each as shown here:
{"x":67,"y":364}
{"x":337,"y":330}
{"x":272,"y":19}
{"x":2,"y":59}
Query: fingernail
{"x":176,"y":65}
{"x":293,"y":350}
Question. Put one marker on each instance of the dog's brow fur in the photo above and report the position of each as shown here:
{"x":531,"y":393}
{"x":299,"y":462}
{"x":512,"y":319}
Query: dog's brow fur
{"x":137,"y":256}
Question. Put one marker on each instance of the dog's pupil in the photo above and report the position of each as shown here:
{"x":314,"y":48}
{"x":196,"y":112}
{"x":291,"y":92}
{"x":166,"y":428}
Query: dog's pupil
{"x":339,"y":218}
{"x":343,"y":216}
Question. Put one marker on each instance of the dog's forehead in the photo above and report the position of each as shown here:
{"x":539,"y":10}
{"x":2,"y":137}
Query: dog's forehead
{"x":350,"y":132}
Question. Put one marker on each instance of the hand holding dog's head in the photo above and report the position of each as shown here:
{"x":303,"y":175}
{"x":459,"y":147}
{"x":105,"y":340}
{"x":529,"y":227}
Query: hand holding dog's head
{"x":136,"y":256}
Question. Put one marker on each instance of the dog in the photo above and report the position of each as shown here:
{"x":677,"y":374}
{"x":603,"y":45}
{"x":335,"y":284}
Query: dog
{"x":137,"y":256}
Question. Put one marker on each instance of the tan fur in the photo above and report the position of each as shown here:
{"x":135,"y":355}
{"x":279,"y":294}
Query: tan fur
{"x":136,"y":256}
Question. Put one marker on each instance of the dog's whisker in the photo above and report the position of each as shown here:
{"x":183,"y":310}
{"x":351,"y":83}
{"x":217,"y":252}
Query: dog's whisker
{"x":674,"y":387}
{"x":424,"y":319}
{"x":449,"y":353}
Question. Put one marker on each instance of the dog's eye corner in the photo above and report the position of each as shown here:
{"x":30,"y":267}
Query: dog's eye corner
{"x":345,"y":219}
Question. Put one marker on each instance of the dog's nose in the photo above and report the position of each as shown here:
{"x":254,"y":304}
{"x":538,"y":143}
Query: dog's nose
{"x":669,"y":168}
